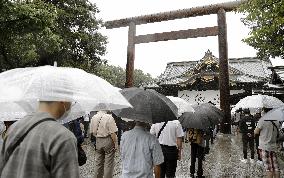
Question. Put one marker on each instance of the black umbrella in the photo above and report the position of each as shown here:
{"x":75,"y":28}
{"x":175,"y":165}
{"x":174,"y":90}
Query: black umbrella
{"x":148,"y":106}
{"x":195,"y":120}
{"x":214,"y":114}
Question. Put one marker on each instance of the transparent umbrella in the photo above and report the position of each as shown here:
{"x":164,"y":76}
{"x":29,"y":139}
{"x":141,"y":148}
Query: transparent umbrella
{"x":274,"y":115}
{"x":258,"y":101}
{"x":27,"y":86}
{"x":182,"y":105}
{"x":11,"y":111}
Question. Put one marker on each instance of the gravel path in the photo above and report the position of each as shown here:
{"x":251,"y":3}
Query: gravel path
{"x":222,"y":161}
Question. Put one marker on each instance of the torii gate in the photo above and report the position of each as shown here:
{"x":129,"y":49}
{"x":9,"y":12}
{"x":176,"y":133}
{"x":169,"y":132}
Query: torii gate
{"x":220,"y":30}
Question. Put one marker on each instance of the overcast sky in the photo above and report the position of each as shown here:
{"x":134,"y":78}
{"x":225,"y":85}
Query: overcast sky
{"x":153,"y":57}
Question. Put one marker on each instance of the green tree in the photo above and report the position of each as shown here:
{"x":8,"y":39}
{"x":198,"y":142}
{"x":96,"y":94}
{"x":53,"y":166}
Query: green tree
{"x":23,"y":27}
{"x":78,"y":28}
{"x":265,"y":18}
{"x":117,"y":75}
{"x":114,"y":75}
{"x":141,"y":78}
{"x":39,"y":32}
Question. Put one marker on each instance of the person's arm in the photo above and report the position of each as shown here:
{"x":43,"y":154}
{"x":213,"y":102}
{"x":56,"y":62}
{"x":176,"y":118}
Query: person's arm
{"x":64,"y":159}
{"x":157,"y":156}
{"x":258,"y":128}
{"x":256,"y":131}
{"x":157,"y":171}
{"x":152,"y":130}
{"x":114,"y":139}
{"x":179,"y":147}
{"x":112,"y":128}
{"x":180,"y":135}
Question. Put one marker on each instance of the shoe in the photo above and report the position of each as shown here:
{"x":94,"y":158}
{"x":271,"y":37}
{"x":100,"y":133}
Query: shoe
{"x":244,"y":160}
{"x":251,"y":160}
{"x":259,"y":162}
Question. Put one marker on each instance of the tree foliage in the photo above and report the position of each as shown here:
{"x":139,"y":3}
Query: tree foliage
{"x":39,"y":32}
{"x":117,"y":75}
{"x":265,"y":18}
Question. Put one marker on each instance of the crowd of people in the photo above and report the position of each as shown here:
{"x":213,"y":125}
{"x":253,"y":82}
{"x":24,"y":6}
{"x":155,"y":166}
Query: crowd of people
{"x":146,"y":150}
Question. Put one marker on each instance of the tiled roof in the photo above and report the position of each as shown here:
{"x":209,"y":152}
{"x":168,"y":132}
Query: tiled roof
{"x":280,"y":73}
{"x":244,"y":79}
{"x":251,"y":66}
{"x":248,"y":69}
{"x":175,"y":69}
{"x":172,"y":81}
{"x":149,"y":85}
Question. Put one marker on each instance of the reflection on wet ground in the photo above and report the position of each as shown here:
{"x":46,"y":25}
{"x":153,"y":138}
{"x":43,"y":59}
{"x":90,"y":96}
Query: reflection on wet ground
{"x":223,"y":161}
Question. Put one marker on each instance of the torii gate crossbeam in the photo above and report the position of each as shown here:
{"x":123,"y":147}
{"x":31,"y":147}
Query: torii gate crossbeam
{"x":220,"y":30}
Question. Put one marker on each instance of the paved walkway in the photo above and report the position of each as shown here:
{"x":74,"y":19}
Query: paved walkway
{"x":223,"y":161}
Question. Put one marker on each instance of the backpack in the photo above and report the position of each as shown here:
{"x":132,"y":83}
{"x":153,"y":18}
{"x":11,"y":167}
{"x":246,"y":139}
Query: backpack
{"x":195,"y":135}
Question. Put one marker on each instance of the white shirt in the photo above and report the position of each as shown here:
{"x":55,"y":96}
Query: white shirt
{"x":102,"y":124}
{"x":170,"y":133}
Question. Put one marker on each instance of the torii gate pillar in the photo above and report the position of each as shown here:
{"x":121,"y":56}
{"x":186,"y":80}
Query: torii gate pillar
{"x":224,"y":85}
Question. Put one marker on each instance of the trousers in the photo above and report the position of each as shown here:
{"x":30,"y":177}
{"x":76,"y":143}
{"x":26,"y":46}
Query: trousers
{"x":168,"y":167}
{"x":248,"y":141}
{"x":104,"y":158}
{"x":197,"y":152}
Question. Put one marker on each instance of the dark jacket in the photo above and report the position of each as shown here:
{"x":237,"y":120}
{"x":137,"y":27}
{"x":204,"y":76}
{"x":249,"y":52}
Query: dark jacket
{"x":74,"y":126}
{"x":247,"y":125}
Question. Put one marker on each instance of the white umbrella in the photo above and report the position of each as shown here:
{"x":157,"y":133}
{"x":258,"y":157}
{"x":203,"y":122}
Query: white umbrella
{"x":16,"y":111}
{"x":48,"y":83}
{"x":258,"y":101}
{"x":274,"y":115}
{"x":182,"y":105}
{"x":12,"y":111}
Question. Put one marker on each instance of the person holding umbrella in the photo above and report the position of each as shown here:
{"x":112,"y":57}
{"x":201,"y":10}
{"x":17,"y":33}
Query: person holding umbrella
{"x":170,"y":136}
{"x":247,"y":126}
{"x":256,"y":117}
{"x":140,"y":150}
{"x":268,"y":131}
{"x":104,"y":128}
{"x":196,"y":123}
{"x":38,"y":145}
{"x":196,"y":137}
{"x":140,"y":153}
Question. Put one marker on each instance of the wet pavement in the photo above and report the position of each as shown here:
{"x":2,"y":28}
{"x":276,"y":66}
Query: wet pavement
{"x":223,"y":161}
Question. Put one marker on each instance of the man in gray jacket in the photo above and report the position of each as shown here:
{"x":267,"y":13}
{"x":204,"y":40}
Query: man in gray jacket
{"x":48,"y":150}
